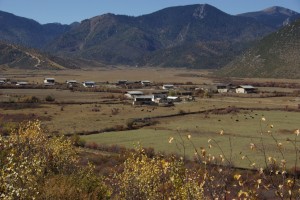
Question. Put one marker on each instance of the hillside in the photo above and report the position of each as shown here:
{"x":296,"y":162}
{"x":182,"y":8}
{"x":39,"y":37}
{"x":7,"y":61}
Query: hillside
{"x":14,"y":56}
{"x":27,"y":32}
{"x":276,"y":55}
{"x":197,"y":33}
{"x":192,"y":36}
{"x":275,"y":16}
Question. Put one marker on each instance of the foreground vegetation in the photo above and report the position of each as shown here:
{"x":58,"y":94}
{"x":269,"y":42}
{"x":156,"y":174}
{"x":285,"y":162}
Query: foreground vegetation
{"x":34,"y":165}
{"x":225,"y":146}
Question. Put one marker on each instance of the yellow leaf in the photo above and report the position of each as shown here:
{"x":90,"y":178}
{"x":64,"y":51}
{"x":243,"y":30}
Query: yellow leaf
{"x":237,"y":176}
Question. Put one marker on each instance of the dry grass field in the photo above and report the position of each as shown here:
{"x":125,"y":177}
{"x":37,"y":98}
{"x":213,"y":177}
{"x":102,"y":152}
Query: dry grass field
{"x":113,"y":74}
{"x":85,"y":112}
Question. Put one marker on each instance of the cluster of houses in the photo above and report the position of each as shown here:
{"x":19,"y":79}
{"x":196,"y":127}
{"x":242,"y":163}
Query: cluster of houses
{"x":4,"y":81}
{"x":70,"y":83}
{"x":242,"y":89}
{"x":167,"y":95}
{"x":126,"y":82}
{"x":46,"y":82}
{"x":155,"y":98}
{"x":160,"y":97}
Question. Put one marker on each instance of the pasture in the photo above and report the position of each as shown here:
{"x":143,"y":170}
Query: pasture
{"x":102,"y":117}
{"x":239,"y":130}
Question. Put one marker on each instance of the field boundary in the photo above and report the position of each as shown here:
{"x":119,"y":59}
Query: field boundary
{"x":147,"y":121}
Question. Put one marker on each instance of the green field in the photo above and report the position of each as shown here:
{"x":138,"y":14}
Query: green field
{"x":239,"y":131}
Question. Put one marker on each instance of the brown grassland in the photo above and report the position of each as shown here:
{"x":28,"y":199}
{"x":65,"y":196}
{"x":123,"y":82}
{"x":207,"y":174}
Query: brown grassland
{"x":88,"y":112}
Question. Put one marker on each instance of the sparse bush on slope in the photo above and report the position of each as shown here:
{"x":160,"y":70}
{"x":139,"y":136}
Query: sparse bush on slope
{"x":35,"y":166}
{"x":30,"y":161}
{"x":157,"y":178}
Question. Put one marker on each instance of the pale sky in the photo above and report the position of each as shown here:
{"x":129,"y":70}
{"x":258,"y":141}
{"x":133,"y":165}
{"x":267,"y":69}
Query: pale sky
{"x":68,"y":11}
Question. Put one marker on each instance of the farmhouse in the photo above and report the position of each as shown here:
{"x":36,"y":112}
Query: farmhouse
{"x":160,"y":97}
{"x":168,"y":86}
{"x":133,"y":94}
{"x":49,"y":81}
{"x":144,"y":100}
{"x":3,"y":81}
{"x":246,"y":89}
{"x":222,"y":88}
{"x":89,"y":84}
{"x":162,"y":94}
{"x":173,"y":99}
{"x":71,"y":82}
{"x":22,"y":83}
{"x":145,"y":83}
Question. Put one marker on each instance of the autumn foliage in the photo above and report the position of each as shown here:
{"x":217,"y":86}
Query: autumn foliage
{"x":34,"y":165}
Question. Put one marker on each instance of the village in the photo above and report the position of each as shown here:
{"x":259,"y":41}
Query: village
{"x":143,"y":92}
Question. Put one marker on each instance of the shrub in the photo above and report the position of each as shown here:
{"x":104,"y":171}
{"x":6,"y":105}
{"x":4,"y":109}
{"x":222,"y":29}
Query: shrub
{"x":29,"y":155}
{"x":172,"y":93}
{"x":130,"y":123}
{"x":157,"y":178}
{"x":32,"y":99}
{"x":181,"y":112}
{"x":115,"y":111}
{"x":49,"y":98}
{"x":29,"y":159}
{"x":207,"y":94}
{"x":77,"y":140}
{"x":83,"y":184}
{"x":6,"y":127}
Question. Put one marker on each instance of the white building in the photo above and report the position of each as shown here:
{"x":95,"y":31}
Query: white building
{"x":145,"y":83}
{"x":173,"y":99}
{"x":71,"y":82}
{"x":3,"y":81}
{"x":144,"y":100}
{"x":133,"y":94}
{"x":49,"y":81}
{"x":22,"y":83}
{"x":168,"y":86}
{"x":245,"y":89}
{"x":222,"y":88}
{"x":88,"y":84}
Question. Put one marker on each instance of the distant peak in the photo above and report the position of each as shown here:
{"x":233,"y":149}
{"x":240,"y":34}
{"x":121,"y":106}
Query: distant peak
{"x":278,"y":9}
{"x":206,"y":7}
{"x":202,"y":10}
{"x":103,"y":16}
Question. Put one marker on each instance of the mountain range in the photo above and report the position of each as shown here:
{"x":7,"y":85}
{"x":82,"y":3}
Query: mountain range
{"x":14,"y":56}
{"x":192,"y":36}
{"x":276,"y":56}
{"x":27,"y":32}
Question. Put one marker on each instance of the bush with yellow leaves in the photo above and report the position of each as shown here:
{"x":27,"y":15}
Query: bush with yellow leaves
{"x":157,"y":178}
{"x":29,"y":159}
